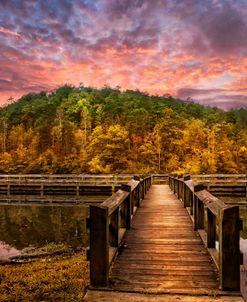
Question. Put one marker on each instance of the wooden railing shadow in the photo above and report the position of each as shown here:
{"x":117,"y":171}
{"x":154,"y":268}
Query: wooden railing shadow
{"x":218,"y":224}
{"x":107,"y":225}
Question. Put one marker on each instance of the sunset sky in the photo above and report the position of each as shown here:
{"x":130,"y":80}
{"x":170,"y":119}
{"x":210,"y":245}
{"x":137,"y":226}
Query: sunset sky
{"x":187,"y":48}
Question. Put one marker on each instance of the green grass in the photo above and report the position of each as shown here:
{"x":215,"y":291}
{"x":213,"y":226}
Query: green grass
{"x":49,"y":279}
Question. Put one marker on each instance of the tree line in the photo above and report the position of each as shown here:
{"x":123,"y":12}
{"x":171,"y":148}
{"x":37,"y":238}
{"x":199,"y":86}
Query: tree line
{"x":88,"y":130}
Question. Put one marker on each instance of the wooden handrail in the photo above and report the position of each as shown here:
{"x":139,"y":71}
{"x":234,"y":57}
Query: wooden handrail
{"x":107,"y":225}
{"x":160,"y":179}
{"x":208,"y":212}
{"x":205,"y":176}
{"x":65,"y":178}
{"x":115,"y":200}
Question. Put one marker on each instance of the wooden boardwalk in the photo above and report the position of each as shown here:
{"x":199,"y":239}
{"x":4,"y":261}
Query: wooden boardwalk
{"x":161,"y":252}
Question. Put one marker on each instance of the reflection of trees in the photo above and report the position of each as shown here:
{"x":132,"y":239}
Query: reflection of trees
{"x":21,"y":226}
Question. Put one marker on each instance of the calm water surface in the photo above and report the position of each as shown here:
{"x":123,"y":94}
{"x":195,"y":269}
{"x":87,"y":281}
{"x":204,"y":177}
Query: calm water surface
{"x":24,"y":226}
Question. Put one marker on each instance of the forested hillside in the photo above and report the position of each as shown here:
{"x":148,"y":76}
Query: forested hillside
{"x":87,"y":130}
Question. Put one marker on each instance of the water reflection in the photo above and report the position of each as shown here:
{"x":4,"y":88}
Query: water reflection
{"x":24,"y":225}
{"x":7,"y":251}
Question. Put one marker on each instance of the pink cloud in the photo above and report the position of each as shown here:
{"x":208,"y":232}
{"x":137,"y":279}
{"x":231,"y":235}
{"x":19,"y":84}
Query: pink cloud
{"x":8,"y":32}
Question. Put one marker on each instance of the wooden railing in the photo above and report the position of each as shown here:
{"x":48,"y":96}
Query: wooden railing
{"x":39,"y":188}
{"x":232,"y":185}
{"x":102,"y":179}
{"x":215,"y":221}
{"x":220,"y":178}
{"x":160,"y":179}
{"x":107,"y":224}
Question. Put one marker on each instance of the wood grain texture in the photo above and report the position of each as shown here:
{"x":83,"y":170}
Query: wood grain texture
{"x":161,"y":252}
{"x":105,"y":296}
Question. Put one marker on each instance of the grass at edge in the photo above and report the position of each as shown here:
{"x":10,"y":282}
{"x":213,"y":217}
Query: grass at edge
{"x":53,"y":279}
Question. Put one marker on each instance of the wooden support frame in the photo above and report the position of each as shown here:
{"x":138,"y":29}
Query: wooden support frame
{"x":114,"y":228}
{"x":99,"y":245}
{"x":228,"y":257}
{"x":211,"y":229}
{"x":107,"y":223}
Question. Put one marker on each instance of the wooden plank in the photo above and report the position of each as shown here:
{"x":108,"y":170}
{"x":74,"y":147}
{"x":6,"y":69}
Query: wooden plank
{"x":169,"y":267}
{"x":103,"y":296}
{"x":168,"y":272}
{"x":134,"y":278}
{"x":161,"y":250}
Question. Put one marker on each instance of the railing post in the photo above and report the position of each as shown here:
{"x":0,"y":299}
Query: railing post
{"x":229,"y":251}
{"x":211,"y":229}
{"x":175,"y":184}
{"x":127,"y":206}
{"x":142,"y":188}
{"x":99,"y":245}
{"x":198,"y":208}
{"x":180,"y":186}
{"x":137,"y":178}
{"x":186,"y":192}
{"x":114,"y":228}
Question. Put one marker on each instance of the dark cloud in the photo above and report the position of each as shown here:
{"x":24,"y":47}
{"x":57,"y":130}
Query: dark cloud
{"x":118,"y":8}
{"x":225,"y":102}
{"x":214,"y":97}
{"x":225,"y":29}
{"x":184,"y":93}
{"x":218,"y":29}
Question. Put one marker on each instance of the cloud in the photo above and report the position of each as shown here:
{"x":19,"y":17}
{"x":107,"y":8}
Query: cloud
{"x":225,"y":102}
{"x":8,"y":32}
{"x":189,"y":48}
{"x":191,"y":92}
{"x":221,"y":98}
{"x":220,"y":28}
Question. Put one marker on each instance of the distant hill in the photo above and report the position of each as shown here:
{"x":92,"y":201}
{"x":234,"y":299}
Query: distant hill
{"x":83,"y":129}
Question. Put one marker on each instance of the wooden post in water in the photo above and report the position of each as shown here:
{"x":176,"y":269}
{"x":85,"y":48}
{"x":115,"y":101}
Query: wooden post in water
{"x":99,"y":245}
{"x":229,"y":251}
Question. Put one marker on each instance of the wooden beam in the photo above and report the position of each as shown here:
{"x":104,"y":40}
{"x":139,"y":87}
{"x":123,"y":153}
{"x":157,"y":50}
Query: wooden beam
{"x":211,"y":229}
{"x":99,"y":245}
{"x":229,"y":256}
{"x":114,"y":228}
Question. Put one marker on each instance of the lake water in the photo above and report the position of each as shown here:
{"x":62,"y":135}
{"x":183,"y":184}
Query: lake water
{"x":24,"y":226}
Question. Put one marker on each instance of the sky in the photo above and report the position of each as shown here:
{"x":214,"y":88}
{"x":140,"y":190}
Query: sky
{"x":191,"y":49}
